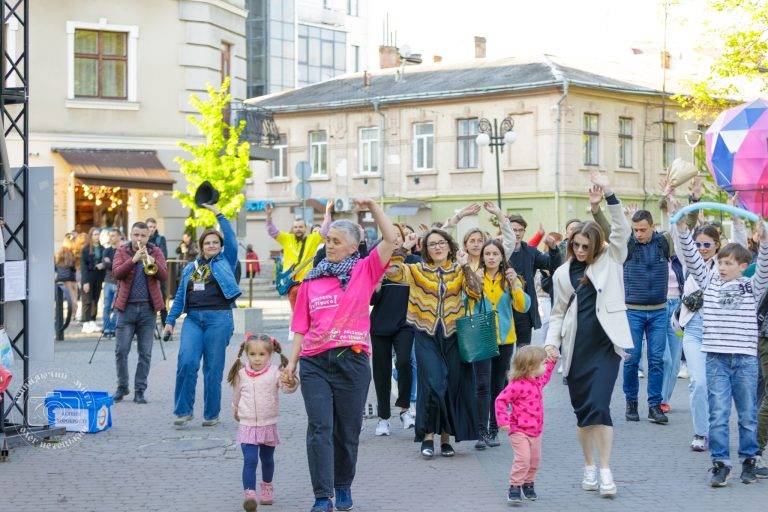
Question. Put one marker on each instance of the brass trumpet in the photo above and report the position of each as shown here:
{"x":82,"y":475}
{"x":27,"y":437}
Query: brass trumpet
{"x":150,"y":267}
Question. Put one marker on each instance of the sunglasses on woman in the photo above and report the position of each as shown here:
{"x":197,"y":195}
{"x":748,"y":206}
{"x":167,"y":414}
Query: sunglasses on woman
{"x":706,"y":245}
{"x":577,"y":246}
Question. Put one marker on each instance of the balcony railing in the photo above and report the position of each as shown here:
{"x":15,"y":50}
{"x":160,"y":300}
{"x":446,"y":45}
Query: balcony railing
{"x":260,"y":128}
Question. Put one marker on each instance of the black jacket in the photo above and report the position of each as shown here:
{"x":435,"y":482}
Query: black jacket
{"x":88,"y":261}
{"x":390,"y":305}
{"x":526,"y":262}
{"x":159,"y":240}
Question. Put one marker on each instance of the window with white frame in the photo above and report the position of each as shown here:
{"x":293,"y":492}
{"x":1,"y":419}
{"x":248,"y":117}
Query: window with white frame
{"x":353,"y":7}
{"x":625,"y":142}
{"x":101,"y":61}
{"x":318,"y":152}
{"x":280,"y":166}
{"x":669,"y":144}
{"x":368,"y":151}
{"x":423,"y":146}
{"x":466,"y":145}
{"x":591,"y":137}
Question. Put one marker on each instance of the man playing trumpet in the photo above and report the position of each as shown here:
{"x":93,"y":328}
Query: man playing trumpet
{"x":139,"y":268}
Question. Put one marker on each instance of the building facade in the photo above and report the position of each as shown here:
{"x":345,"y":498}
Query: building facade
{"x":408,"y":136}
{"x":293,"y":43}
{"x":109,"y":95}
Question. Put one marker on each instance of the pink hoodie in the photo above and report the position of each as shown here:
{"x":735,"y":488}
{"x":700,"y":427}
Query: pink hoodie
{"x":525,"y":397}
{"x":255,"y":400}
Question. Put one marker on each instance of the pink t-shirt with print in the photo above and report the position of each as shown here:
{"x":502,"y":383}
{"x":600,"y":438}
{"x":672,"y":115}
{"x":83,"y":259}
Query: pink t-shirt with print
{"x":330,"y":317}
{"x":525,"y":398}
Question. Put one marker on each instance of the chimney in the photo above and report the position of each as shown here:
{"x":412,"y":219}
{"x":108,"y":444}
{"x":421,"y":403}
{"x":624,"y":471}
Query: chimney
{"x":479,"y":47}
{"x":437,"y":59}
{"x":389,"y":57}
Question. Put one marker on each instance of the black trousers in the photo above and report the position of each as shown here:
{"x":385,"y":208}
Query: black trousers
{"x":523,"y":328}
{"x":90,"y":300}
{"x":402,"y":343}
{"x":491,"y":377}
{"x":334,"y":385}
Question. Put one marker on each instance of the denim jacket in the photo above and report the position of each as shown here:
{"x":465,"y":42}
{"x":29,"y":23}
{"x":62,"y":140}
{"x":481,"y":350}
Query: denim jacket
{"x":223,"y":270}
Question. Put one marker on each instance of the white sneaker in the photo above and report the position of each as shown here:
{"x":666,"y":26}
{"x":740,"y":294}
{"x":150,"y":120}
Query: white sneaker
{"x":382,"y":429}
{"x":407,"y":419}
{"x":683,"y":373}
{"x":607,"y":485}
{"x":88,"y":327}
{"x":589,"y":483}
{"x":560,"y":369}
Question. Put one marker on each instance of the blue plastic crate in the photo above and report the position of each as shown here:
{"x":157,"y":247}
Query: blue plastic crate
{"x":79,"y":411}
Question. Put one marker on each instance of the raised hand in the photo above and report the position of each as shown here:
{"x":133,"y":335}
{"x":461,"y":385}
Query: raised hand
{"x":269,"y":208}
{"x":472,"y":209}
{"x":462,"y":258}
{"x":599,"y":178}
{"x":595,"y":194}
{"x":631,"y":209}
{"x":511,"y":276}
{"x":666,"y":187}
{"x":550,"y":242}
{"x":410,"y":241}
{"x":329,"y":205}
{"x":492,"y":208}
{"x":696,"y":188}
{"x":363,"y":203}
{"x":212,"y":208}
{"x":423,"y":229}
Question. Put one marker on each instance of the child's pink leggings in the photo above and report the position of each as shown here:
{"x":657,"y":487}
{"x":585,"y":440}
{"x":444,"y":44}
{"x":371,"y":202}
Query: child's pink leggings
{"x":527,"y":457}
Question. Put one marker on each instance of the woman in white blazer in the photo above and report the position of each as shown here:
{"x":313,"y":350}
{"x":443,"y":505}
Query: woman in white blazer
{"x":589,"y":326}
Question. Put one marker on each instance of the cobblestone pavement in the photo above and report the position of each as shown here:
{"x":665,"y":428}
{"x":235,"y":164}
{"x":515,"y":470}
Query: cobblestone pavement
{"x":144,"y":464}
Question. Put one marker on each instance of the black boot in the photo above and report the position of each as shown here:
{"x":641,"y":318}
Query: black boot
{"x":482,"y":439}
{"x":656,"y":416}
{"x":632,"y":414}
{"x":120,"y":394}
{"x":491,"y":439}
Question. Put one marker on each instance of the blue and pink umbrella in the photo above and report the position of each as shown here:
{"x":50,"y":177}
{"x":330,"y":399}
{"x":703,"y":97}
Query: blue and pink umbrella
{"x":737,"y":153}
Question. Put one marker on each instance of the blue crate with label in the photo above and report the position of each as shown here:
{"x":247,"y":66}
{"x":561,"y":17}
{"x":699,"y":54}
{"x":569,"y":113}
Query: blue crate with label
{"x":79,"y":411}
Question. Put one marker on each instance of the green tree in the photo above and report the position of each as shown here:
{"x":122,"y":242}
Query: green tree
{"x":744,"y":59}
{"x":221,"y":159}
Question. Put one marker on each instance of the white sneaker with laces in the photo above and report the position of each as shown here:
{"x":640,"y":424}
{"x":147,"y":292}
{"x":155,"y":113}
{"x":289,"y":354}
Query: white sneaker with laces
{"x":407,"y":419}
{"x":607,"y":485}
{"x":683,"y":373}
{"x":589,"y":482}
{"x":88,"y":327}
{"x":382,"y":429}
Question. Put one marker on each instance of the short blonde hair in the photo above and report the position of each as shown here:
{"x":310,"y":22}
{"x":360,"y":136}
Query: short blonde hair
{"x":527,"y":360}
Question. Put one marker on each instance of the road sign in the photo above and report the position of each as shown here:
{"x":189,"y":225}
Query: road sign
{"x":303,"y":190}
{"x":303,"y":170}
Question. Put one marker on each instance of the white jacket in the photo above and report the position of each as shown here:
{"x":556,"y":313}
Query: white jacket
{"x":607,"y":276}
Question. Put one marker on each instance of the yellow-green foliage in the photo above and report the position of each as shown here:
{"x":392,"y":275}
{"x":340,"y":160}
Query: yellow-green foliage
{"x":222,"y":159}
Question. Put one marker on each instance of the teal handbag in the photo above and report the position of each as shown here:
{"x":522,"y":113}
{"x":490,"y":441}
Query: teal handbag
{"x":477,"y":334}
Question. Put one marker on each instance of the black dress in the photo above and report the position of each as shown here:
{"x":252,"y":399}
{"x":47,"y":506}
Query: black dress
{"x":594,"y":363}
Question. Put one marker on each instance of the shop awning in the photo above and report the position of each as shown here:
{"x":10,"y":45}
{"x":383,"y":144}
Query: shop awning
{"x":406,"y":208}
{"x":127,"y":168}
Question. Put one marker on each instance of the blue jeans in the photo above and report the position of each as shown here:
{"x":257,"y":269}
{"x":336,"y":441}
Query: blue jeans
{"x":672,"y":352}
{"x":110,"y":319}
{"x":652,"y":324}
{"x":205,"y":334}
{"x":251,"y":455}
{"x":732,"y":378}
{"x":697,"y":368}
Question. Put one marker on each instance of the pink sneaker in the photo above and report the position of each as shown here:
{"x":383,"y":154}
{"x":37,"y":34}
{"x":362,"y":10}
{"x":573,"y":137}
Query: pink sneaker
{"x":249,"y":504}
{"x":267,"y":494}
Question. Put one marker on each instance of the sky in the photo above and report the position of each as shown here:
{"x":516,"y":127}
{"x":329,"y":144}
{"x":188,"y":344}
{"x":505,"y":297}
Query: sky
{"x":597,"y":33}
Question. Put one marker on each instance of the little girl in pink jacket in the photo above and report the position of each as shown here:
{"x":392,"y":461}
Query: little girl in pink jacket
{"x":255,"y":405}
{"x":531,"y":371}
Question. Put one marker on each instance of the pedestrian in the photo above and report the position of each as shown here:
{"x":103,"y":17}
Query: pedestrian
{"x":110,"y":284}
{"x":531,"y":371}
{"x":92,"y":272}
{"x":502,"y":293}
{"x":158,"y":240}
{"x":332,"y":340}
{"x":207,"y":293}
{"x":447,"y":397}
{"x":298,"y":249}
{"x":252,"y":264}
{"x":526,"y":260}
{"x":65,"y":266}
{"x":589,"y":326}
{"x":137,"y":303}
{"x":255,"y":406}
{"x":729,"y":314}
{"x":390,"y":332}
{"x":186,"y":251}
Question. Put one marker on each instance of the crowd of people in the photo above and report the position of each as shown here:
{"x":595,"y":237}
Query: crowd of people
{"x":584,"y":307}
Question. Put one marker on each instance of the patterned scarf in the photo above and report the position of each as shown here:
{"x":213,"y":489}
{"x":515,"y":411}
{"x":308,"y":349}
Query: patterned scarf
{"x":342,"y":270}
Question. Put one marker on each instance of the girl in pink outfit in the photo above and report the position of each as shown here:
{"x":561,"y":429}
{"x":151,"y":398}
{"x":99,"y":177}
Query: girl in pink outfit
{"x":531,"y":370}
{"x":255,"y":405}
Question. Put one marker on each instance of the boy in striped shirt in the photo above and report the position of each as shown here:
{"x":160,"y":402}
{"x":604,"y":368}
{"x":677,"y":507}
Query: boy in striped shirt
{"x":730,"y":343}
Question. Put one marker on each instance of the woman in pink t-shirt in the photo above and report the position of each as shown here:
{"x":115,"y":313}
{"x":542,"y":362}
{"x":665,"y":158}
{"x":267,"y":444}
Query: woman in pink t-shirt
{"x":331,"y":325}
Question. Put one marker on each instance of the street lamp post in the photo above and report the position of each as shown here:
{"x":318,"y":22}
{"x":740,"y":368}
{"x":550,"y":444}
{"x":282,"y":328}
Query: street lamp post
{"x":496,"y":136}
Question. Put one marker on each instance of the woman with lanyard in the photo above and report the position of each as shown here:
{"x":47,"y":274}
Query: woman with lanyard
{"x":589,"y":325}
{"x":391,"y":332}
{"x":447,"y":399}
{"x":332,"y":341}
{"x":502,"y":292}
{"x":207,"y":293}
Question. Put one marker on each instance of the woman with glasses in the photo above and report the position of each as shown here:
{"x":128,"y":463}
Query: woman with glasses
{"x":589,"y":325}
{"x":447,"y":401}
